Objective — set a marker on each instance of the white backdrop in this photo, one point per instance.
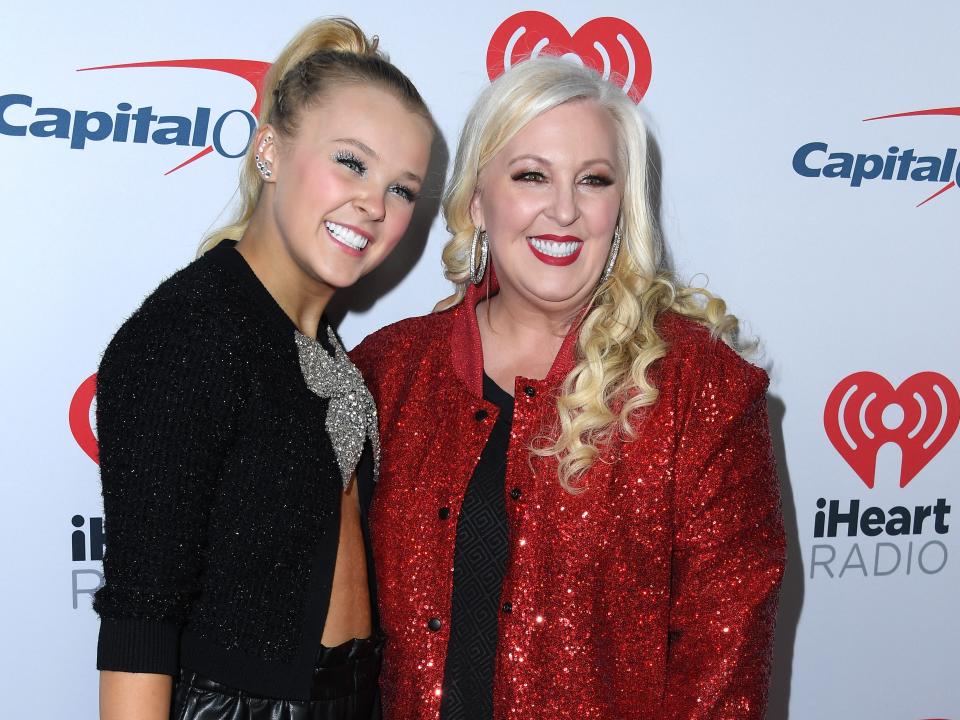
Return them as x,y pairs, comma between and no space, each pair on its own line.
837,274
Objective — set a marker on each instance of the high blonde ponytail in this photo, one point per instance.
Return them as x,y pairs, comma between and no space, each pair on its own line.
326,53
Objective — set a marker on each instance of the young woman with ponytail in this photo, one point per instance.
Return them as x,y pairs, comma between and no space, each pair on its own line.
232,424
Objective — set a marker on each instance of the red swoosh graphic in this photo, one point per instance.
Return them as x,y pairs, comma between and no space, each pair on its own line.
951,184
253,71
955,111
933,111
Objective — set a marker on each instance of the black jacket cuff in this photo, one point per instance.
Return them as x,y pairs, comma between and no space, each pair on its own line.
141,646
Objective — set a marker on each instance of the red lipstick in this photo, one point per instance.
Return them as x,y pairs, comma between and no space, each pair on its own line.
552,259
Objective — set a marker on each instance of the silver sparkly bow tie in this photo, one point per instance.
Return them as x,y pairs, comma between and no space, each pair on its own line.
352,414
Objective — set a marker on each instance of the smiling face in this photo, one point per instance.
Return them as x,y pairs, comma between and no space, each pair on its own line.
343,186
549,202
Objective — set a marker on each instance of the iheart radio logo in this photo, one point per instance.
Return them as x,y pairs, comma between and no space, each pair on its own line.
864,412
79,417
609,45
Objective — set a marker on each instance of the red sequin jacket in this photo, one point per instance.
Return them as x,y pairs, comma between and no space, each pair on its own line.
651,595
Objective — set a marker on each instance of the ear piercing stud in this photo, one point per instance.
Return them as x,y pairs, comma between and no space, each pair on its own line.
262,168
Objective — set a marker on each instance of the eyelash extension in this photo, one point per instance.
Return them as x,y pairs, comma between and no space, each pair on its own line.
348,159
523,176
406,193
537,176
599,180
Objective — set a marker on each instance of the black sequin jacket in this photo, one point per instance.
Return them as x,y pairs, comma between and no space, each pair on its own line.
220,486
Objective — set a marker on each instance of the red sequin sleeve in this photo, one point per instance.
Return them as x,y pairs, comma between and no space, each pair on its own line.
728,549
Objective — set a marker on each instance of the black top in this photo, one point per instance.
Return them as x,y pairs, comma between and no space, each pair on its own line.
480,560
221,490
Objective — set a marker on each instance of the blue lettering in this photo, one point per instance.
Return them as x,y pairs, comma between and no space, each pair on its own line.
948,160
862,172
891,162
928,168
82,131
122,123
800,158
200,125
842,165
5,102
218,129
58,126
906,159
179,134
82,127
141,122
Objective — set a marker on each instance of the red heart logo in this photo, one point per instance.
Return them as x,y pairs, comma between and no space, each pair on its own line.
611,46
79,417
864,412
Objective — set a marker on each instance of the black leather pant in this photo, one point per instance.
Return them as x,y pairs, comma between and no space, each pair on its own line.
344,688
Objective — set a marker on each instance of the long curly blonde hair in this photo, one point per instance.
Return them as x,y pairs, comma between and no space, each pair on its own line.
617,339
327,52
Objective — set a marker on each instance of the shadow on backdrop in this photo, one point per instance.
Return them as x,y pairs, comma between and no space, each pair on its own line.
791,592
655,193
362,295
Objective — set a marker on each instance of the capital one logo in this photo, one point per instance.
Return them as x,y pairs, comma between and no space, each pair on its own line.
609,45
143,125
894,164
939,170
864,412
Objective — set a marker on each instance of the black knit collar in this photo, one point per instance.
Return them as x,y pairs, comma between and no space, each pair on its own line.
226,255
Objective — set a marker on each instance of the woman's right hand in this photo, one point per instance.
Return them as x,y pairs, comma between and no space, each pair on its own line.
134,696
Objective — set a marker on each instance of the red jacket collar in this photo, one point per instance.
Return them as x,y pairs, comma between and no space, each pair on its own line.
466,351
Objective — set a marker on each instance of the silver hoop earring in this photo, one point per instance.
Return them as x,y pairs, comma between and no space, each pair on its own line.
611,261
262,167
477,271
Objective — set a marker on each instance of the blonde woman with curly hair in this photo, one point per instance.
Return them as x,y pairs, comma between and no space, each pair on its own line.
578,513
233,427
